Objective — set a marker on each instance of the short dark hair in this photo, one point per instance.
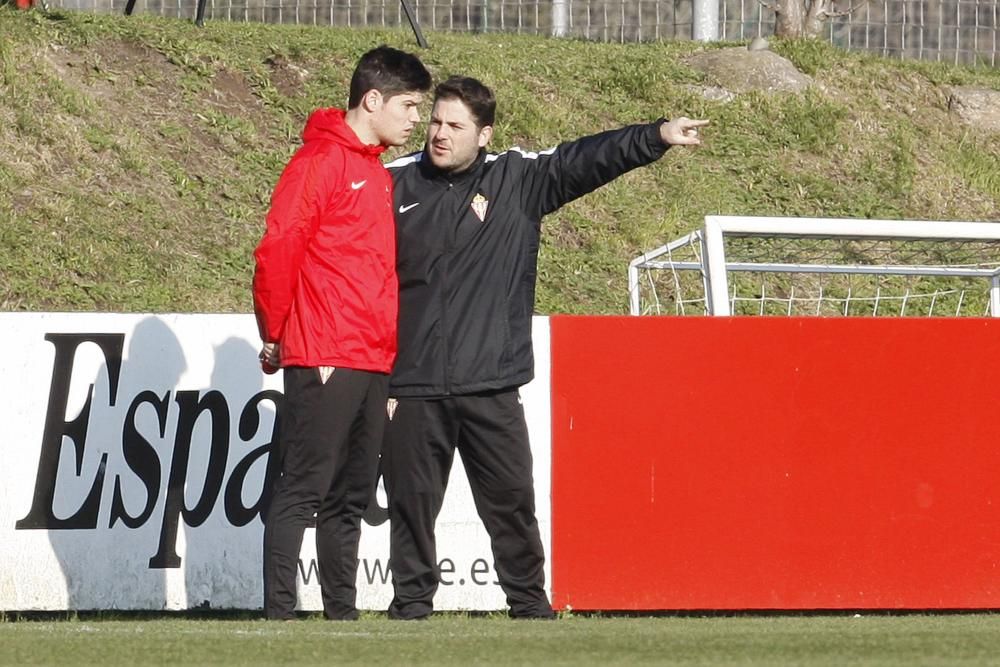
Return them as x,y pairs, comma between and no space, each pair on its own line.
471,92
389,71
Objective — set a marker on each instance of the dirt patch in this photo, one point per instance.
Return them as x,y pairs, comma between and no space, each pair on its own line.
287,77
137,92
232,94
110,63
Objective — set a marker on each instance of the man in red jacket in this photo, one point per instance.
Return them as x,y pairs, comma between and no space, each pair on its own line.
326,297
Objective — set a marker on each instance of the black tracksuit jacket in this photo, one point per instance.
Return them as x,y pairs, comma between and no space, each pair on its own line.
467,249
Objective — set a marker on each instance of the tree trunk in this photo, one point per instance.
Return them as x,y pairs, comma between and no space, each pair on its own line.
801,18
812,25
790,19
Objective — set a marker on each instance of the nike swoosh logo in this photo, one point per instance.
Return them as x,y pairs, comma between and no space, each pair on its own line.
358,185
404,209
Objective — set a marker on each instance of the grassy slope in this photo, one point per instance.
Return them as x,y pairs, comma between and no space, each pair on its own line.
139,154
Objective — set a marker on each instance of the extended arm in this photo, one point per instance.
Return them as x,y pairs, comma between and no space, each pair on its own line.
558,176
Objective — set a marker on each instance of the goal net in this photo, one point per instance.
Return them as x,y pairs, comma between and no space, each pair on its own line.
739,265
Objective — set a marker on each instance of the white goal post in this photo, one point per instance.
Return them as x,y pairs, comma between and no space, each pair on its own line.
822,266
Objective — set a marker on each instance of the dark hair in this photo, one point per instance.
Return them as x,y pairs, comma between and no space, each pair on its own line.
389,71
471,92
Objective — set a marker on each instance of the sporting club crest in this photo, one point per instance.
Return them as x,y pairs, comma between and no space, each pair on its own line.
479,205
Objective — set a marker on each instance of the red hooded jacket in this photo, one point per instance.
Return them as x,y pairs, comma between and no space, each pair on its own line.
325,283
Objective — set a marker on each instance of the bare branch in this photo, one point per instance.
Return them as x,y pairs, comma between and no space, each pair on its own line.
817,11
773,6
820,10
847,11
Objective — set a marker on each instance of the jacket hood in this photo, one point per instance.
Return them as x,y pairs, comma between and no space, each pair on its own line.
331,125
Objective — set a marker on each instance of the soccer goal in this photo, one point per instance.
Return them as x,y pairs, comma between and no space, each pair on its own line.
739,265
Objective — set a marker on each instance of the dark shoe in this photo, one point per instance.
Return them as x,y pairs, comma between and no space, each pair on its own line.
542,615
410,611
399,617
350,616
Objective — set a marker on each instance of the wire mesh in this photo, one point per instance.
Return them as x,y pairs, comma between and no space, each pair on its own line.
958,31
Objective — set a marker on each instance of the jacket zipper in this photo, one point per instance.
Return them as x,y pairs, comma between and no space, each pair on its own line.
446,285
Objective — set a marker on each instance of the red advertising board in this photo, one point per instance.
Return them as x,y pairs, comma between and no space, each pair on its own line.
775,463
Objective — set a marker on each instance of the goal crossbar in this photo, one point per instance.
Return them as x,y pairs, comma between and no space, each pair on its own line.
847,228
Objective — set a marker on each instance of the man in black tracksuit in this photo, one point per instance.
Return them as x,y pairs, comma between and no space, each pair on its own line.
467,229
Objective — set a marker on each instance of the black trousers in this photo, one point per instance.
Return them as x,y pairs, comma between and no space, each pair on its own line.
329,442
490,432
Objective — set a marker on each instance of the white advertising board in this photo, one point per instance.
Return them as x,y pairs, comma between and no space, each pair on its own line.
133,452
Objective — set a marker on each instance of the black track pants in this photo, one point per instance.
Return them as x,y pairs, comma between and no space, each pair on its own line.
490,432
330,436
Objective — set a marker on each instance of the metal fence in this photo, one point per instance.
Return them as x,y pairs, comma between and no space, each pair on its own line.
954,31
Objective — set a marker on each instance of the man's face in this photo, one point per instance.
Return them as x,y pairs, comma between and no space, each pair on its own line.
453,139
396,117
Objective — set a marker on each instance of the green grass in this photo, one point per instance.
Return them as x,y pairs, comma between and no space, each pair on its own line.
140,152
454,639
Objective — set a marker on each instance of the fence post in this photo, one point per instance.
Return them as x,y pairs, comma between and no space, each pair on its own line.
411,16
714,265
995,296
705,23
560,18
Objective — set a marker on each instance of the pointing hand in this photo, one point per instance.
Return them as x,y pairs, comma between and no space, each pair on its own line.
682,131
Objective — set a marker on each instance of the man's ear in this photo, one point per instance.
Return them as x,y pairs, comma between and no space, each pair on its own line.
371,100
485,134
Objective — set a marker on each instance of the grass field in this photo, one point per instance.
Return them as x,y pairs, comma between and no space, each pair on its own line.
456,639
